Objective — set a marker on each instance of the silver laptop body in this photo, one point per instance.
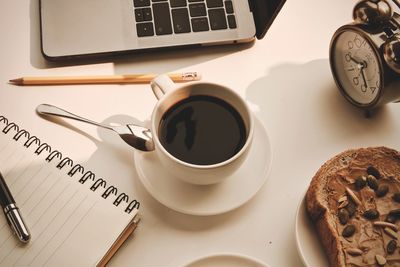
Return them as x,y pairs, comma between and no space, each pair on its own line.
86,27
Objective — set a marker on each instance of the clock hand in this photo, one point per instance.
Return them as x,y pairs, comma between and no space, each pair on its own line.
363,76
355,61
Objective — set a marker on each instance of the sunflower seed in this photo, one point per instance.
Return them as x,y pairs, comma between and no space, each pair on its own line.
391,246
372,182
395,213
353,196
396,197
371,214
351,208
382,190
360,182
349,230
344,216
390,219
371,170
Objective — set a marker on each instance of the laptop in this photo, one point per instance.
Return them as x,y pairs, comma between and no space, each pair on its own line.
92,28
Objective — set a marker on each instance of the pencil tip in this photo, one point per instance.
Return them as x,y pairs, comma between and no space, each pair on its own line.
16,81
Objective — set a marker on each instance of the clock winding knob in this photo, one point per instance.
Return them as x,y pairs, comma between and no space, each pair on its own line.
391,51
372,12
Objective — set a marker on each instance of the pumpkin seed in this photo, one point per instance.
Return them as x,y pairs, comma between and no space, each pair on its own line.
396,197
391,246
380,260
360,182
349,230
386,224
343,204
372,182
390,232
342,199
354,251
371,214
353,196
382,190
344,216
371,170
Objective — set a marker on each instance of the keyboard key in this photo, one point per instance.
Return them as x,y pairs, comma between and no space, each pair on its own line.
214,3
147,14
231,22
139,14
197,10
162,18
143,14
180,18
217,19
193,1
159,0
178,3
200,24
141,3
229,7
144,29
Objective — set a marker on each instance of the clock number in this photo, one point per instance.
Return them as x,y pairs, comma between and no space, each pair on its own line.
350,45
348,57
373,89
363,88
356,81
357,41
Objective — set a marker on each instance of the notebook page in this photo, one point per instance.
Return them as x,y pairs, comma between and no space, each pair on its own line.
70,225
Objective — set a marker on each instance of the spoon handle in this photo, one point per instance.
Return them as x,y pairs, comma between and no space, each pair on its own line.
46,109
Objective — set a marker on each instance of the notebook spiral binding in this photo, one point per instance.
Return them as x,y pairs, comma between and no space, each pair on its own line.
74,169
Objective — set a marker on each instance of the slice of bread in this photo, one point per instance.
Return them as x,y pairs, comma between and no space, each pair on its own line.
354,203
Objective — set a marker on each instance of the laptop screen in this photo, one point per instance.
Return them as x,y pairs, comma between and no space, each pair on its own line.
264,12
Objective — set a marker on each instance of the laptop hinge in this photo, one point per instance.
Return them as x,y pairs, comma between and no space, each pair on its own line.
264,14
251,5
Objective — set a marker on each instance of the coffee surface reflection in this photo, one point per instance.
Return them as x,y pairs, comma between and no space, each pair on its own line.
202,130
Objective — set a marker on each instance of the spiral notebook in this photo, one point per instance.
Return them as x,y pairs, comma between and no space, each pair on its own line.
75,218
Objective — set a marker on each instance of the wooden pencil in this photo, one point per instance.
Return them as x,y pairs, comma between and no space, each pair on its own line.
103,79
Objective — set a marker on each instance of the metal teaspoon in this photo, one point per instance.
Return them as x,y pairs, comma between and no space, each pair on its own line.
134,135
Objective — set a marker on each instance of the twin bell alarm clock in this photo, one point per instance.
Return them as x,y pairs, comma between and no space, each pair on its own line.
365,55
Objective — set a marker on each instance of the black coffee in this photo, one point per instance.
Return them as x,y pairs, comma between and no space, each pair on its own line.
202,130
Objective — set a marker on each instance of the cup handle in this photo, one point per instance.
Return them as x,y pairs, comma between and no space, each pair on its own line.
161,85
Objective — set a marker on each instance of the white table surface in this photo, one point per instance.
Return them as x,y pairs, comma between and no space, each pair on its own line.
285,76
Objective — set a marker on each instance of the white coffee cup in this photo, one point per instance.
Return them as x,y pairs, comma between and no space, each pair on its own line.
168,94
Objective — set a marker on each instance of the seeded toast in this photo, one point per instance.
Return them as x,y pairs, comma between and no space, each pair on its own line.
354,202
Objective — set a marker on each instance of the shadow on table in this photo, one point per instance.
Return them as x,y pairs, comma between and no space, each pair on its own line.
144,62
306,94
308,121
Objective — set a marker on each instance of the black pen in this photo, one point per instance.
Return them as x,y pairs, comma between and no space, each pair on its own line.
11,211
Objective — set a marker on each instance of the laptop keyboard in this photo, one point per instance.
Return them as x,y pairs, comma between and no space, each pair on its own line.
162,17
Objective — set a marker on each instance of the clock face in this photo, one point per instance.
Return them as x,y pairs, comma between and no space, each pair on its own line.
356,67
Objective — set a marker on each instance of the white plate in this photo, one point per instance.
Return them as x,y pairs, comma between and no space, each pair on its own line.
308,245
225,196
226,260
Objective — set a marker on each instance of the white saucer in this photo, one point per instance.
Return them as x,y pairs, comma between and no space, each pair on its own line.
226,260
308,245
208,199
